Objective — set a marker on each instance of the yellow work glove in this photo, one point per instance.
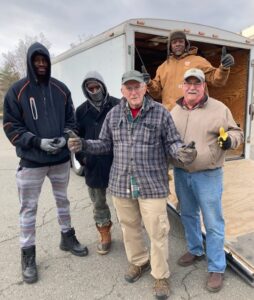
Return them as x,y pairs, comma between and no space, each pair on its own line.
224,140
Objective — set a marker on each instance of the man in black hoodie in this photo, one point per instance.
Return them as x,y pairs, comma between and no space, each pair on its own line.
90,116
38,113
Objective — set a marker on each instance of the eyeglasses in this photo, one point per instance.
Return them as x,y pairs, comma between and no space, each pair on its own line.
196,84
134,88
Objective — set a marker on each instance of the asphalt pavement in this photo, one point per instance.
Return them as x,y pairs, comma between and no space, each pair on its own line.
64,276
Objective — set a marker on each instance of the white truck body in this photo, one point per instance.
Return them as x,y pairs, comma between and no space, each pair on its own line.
113,52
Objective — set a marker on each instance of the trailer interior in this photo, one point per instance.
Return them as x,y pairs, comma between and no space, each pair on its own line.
238,196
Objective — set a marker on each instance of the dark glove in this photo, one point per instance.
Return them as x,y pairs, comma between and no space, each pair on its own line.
146,77
224,141
187,154
227,60
59,142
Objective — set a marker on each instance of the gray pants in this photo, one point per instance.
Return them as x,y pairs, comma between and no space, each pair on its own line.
29,182
101,212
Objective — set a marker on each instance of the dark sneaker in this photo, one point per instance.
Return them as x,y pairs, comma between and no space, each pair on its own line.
214,282
135,272
188,259
161,288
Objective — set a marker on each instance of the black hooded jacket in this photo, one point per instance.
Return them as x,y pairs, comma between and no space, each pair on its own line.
89,121
33,111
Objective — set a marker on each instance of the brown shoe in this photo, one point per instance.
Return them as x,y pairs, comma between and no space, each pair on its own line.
188,259
135,272
214,282
161,289
104,244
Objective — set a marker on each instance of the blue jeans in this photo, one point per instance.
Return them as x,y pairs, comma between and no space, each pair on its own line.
202,191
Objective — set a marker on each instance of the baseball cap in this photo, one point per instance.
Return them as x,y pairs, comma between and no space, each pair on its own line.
132,75
199,74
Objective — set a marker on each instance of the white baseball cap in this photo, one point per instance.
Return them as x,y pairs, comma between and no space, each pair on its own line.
194,72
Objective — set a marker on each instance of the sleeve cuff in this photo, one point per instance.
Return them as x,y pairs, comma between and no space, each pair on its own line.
36,142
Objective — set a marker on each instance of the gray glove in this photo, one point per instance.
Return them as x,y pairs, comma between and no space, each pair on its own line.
59,142
146,77
48,145
227,60
70,133
187,154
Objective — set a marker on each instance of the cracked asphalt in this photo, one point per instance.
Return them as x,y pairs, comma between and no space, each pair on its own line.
64,276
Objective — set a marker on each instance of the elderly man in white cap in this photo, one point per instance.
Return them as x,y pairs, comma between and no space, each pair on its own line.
143,136
199,185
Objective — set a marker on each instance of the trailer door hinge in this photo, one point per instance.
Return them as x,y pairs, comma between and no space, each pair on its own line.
129,49
251,111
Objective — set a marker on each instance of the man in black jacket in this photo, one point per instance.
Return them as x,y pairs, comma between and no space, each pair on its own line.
90,116
38,111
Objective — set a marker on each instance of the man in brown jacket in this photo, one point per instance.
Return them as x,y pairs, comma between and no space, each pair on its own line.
199,185
167,84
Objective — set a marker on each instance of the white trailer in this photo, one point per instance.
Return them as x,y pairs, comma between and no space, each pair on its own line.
144,41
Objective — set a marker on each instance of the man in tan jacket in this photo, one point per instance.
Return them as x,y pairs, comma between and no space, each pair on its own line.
199,185
167,84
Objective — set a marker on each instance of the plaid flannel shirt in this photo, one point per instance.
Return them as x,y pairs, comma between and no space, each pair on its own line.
142,151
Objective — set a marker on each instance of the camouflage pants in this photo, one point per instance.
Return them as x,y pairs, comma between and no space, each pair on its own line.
29,182
101,210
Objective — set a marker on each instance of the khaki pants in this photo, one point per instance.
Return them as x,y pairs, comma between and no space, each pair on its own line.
153,212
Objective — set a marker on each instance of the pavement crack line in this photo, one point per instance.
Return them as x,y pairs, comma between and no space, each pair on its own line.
4,290
107,294
183,283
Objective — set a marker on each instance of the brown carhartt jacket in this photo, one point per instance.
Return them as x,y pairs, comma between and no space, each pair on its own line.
167,84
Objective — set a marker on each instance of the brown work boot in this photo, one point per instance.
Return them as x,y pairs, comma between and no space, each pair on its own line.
104,244
214,282
161,288
135,272
188,259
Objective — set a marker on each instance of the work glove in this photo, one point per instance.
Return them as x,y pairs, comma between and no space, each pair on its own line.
146,77
69,134
224,141
187,154
48,145
59,142
76,144
227,60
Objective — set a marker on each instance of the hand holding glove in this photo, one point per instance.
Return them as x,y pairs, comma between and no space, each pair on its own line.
224,141
187,154
75,145
48,145
227,60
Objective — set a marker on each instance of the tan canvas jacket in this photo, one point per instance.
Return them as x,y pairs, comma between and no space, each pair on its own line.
202,125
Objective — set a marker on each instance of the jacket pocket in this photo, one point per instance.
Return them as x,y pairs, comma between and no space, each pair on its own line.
149,134
215,152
